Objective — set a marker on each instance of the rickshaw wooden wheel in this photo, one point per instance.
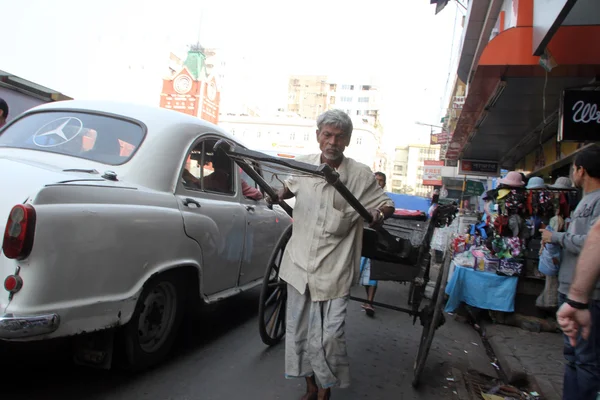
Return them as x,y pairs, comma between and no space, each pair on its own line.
431,317
273,296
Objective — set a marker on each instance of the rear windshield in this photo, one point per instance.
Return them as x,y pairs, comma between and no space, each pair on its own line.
97,138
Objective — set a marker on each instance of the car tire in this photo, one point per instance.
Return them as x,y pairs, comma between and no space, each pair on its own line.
148,337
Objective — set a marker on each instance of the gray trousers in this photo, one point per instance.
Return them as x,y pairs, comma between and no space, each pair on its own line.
315,341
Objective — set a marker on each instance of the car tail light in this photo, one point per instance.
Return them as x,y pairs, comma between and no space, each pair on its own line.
13,283
18,235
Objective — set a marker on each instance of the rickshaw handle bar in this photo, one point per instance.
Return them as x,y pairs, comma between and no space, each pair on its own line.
227,148
323,170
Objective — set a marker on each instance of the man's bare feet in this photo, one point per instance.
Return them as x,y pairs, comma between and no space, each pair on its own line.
312,389
324,394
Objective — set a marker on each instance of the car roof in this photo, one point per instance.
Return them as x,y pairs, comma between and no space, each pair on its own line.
152,116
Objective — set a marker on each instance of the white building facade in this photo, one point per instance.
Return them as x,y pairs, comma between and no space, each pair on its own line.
407,171
296,135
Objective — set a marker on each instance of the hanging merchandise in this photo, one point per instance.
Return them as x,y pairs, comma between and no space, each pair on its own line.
545,203
513,179
514,244
515,201
535,183
501,225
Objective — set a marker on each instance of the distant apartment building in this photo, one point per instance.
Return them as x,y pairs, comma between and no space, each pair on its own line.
307,95
407,171
310,95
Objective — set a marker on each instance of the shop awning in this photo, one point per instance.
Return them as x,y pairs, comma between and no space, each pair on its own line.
17,83
511,95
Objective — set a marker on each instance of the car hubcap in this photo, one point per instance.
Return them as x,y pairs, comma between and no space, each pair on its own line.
157,317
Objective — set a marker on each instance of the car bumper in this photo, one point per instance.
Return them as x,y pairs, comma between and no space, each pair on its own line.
18,327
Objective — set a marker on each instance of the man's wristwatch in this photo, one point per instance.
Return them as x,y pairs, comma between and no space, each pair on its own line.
576,304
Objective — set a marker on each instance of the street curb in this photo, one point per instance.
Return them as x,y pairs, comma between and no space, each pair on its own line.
510,365
461,388
545,387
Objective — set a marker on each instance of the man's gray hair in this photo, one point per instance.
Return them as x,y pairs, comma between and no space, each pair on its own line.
336,118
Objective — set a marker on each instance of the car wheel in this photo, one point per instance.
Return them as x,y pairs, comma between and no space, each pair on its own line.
149,335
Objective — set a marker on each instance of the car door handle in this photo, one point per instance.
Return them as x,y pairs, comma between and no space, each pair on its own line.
187,201
249,208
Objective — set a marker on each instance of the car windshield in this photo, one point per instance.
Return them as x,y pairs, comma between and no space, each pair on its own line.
99,138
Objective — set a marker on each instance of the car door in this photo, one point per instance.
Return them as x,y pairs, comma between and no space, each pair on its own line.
212,214
262,233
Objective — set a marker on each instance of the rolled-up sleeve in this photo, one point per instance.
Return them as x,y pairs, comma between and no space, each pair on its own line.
291,182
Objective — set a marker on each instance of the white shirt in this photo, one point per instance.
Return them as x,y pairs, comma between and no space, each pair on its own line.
325,248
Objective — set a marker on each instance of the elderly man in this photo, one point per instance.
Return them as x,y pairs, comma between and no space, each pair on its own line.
321,260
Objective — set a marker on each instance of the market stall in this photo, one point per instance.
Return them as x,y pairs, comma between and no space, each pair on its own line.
502,251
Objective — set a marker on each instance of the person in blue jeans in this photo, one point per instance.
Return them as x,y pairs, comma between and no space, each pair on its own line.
582,371
579,318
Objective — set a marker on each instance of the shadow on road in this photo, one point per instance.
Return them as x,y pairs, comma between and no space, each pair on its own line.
45,370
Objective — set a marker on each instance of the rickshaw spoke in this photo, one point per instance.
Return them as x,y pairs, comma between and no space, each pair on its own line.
272,296
274,322
274,309
278,284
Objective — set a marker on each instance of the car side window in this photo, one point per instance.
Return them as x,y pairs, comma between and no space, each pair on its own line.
250,188
209,171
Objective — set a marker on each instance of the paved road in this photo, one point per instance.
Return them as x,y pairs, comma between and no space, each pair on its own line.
221,357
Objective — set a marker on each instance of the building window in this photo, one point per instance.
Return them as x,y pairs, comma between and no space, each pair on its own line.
292,136
346,99
398,168
396,183
258,134
358,140
347,87
366,87
306,137
363,99
333,87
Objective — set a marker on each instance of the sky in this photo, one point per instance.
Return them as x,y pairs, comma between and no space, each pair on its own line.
119,49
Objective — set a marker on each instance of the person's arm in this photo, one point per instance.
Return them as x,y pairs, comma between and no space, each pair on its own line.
569,241
573,318
251,192
587,270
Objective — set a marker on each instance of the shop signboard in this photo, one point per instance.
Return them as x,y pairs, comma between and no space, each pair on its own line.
458,102
479,167
474,188
451,163
579,116
439,138
432,173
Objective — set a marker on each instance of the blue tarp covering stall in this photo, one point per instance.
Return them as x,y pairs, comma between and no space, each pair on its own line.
409,202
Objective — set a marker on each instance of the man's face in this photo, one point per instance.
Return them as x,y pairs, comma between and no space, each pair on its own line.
380,181
332,142
2,119
577,176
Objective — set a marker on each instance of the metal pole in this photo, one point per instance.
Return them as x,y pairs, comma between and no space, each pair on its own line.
462,195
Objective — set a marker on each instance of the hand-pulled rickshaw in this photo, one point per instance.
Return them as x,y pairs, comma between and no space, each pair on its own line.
400,251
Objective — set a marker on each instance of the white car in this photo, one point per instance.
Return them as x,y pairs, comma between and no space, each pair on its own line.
120,219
